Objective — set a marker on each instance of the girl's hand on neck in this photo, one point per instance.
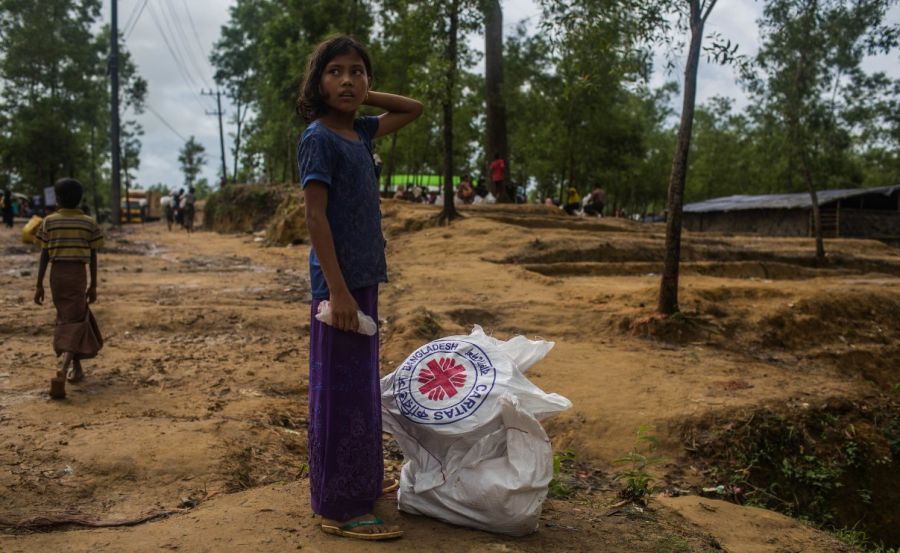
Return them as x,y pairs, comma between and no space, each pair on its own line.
399,111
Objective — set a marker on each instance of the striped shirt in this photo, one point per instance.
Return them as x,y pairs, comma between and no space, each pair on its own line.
69,235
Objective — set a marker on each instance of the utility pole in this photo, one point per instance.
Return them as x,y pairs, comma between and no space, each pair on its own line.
219,112
94,174
114,127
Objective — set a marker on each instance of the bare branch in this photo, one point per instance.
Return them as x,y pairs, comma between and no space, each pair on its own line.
707,10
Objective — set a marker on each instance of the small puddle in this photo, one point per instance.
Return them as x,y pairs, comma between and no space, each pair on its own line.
203,263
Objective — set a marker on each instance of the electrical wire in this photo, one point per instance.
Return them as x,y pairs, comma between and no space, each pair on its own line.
128,32
172,42
128,21
178,36
203,66
187,50
194,27
164,122
178,63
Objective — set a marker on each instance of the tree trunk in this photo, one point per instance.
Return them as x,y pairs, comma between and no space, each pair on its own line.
448,213
495,113
94,176
239,123
668,289
127,185
564,193
290,173
817,219
389,164
800,142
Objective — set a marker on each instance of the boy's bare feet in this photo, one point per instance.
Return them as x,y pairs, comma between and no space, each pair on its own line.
58,386
366,527
75,374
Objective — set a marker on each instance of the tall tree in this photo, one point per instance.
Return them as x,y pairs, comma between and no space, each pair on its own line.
592,98
132,95
401,54
48,93
428,61
448,213
811,57
192,159
873,115
235,57
495,114
722,160
698,13
54,96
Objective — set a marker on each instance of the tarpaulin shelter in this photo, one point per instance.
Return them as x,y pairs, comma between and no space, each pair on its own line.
857,213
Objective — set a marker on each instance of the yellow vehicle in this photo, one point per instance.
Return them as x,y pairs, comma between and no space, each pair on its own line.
140,206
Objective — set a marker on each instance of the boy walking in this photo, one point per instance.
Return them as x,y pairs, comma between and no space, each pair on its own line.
69,240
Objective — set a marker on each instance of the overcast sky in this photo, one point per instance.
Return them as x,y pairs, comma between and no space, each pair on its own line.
174,93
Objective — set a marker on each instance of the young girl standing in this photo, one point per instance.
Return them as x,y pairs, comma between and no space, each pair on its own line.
347,263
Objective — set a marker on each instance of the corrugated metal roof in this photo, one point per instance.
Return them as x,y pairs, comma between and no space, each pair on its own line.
782,201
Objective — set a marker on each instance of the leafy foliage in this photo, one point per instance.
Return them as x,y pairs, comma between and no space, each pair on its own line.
576,89
192,159
54,97
581,111
812,100
637,463
558,489
828,464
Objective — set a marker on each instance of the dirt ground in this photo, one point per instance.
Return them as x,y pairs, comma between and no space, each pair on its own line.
196,408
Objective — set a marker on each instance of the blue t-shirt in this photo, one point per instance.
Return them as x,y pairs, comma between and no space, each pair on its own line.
354,211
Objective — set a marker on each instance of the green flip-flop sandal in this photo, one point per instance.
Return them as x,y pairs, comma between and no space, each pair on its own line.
346,530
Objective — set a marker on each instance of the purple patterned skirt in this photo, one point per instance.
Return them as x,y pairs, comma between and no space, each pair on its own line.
346,465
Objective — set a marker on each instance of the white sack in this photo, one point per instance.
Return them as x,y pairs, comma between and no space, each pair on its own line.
466,419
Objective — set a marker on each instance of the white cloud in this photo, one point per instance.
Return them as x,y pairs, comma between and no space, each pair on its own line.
175,97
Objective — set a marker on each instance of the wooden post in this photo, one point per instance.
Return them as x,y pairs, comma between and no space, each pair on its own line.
115,192
837,220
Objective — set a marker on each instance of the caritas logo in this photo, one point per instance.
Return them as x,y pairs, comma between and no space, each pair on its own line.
443,382
441,379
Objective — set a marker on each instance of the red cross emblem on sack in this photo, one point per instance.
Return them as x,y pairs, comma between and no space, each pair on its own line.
442,377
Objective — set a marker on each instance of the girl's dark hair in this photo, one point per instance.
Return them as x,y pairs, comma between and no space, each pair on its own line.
311,104
68,192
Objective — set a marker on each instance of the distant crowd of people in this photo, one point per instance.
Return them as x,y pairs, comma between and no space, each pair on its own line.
468,192
9,208
477,192
591,204
14,205
179,208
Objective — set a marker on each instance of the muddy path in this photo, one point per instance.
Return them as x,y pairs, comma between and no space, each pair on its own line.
197,403
196,390
196,408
